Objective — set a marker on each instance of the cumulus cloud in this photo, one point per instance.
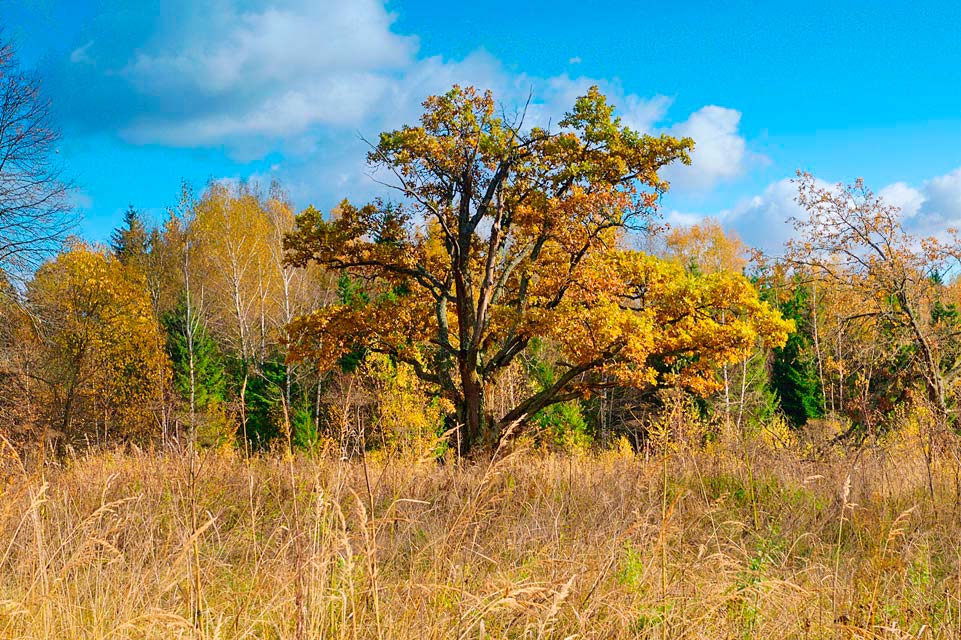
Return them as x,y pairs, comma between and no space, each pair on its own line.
931,208
720,150
304,80
275,72
275,45
556,95
433,75
903,196
763,221
940,207
344,100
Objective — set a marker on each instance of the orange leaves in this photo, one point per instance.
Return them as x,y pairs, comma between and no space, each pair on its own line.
707,247
389,324
98,334
509,235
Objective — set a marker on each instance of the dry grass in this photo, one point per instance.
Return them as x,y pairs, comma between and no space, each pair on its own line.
745,544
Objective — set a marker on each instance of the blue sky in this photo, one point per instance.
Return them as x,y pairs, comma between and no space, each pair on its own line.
151,92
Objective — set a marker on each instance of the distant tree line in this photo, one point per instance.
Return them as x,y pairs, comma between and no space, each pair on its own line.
497,296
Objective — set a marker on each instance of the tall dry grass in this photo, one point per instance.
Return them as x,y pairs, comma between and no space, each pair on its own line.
738,542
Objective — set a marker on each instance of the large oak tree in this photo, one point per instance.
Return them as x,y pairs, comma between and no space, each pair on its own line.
505,234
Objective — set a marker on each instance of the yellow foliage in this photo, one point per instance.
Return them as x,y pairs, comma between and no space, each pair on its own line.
777,434
406,420
510,236
679,427
102,351
707,247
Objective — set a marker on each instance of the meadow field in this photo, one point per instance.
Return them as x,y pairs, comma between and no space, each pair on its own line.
746,541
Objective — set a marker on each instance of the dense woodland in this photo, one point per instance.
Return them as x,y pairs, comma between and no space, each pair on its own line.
516,282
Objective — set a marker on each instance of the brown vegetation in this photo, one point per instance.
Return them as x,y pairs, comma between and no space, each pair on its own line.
736,541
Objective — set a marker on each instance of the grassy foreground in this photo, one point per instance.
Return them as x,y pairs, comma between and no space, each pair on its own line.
748,544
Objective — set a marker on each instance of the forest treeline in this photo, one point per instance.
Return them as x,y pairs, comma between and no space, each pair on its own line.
501,292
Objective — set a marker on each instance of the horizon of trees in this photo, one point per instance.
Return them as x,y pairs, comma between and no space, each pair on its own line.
496,297
180,332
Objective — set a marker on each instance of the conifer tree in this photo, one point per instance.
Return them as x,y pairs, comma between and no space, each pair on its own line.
209,383
794,373
131,242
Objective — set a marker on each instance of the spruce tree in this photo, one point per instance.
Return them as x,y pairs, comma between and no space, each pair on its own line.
130,242
209,375
794,374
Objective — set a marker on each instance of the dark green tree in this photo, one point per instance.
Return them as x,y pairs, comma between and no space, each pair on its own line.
794,375
131,241
208,369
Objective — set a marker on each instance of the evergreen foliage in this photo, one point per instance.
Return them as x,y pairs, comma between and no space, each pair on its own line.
131,242
209,382
794,376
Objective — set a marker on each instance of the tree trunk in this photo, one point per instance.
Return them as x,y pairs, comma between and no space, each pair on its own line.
468,424
817,352
471,414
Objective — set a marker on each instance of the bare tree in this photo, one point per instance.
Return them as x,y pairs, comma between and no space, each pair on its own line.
35,212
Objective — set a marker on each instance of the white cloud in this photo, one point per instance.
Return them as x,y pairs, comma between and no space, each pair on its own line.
279,71
304,79
931,208
643,113
903,196
720,150
274,72
344,101
763,221
941,207
555,96
676,218
404,95
245,49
